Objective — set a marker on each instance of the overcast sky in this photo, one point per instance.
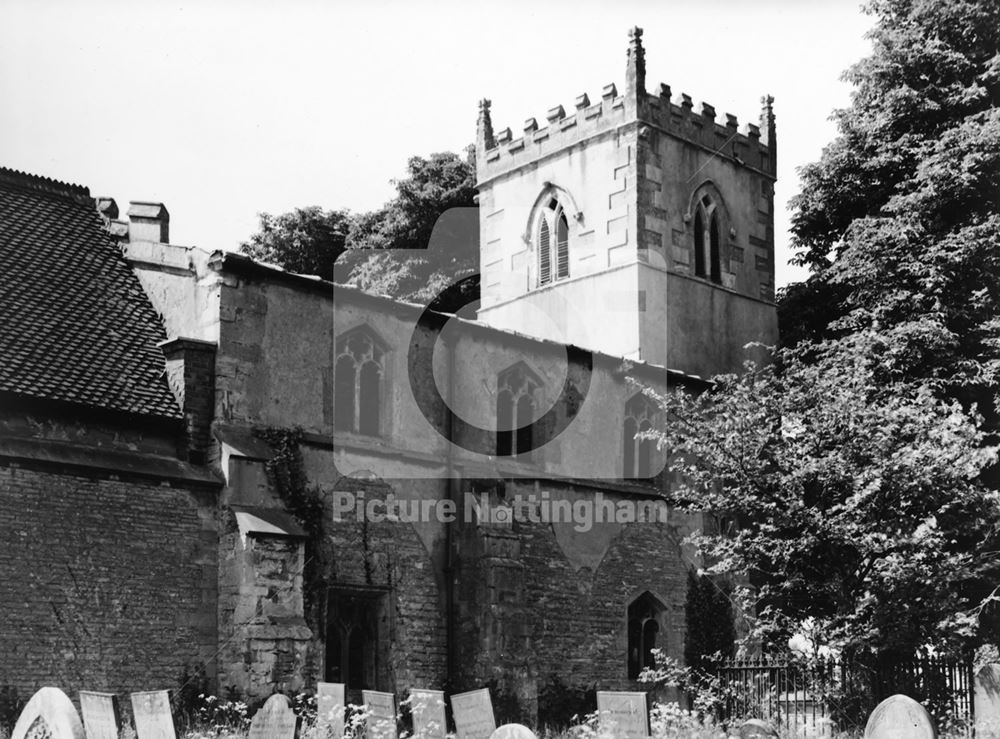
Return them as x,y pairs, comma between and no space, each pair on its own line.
225,109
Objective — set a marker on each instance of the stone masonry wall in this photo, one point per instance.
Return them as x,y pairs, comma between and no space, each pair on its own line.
109,583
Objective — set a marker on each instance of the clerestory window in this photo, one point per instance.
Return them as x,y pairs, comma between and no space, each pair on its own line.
640,415
517,388
358,377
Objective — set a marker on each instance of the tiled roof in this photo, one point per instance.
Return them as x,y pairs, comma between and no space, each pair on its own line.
75,324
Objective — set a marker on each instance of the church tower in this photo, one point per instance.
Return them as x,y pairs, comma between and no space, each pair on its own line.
635,225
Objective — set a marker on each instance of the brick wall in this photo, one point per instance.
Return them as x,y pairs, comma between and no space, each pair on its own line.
390,555
107,584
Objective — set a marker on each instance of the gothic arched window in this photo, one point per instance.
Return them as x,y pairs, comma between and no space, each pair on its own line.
707,237
553,243
516,391
643,633
358,374
640,414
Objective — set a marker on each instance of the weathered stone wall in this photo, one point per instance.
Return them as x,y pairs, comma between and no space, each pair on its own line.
264,641
544,604
109,579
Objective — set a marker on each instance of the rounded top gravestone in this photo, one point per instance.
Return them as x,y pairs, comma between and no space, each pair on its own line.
55,711
754,728
513,731
274,720
900,717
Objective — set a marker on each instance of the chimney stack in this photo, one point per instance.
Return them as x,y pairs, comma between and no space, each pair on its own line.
191,375
148,222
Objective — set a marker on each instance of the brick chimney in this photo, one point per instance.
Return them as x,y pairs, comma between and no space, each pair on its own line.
148,222
191,375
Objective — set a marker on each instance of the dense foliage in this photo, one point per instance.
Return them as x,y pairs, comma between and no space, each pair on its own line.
859,504
305,240
899,221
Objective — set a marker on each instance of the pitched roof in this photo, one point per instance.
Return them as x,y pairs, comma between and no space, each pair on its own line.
75,324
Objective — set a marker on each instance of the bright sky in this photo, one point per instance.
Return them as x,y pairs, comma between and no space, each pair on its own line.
225,109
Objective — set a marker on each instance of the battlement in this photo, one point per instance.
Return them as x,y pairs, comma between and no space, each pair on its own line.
753,145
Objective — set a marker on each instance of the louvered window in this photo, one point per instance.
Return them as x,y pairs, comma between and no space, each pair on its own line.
544,253
553,264
562,247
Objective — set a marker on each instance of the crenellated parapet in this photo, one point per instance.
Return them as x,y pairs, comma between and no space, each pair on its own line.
509,149
751,145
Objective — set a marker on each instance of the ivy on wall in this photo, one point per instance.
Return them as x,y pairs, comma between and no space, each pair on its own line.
286,473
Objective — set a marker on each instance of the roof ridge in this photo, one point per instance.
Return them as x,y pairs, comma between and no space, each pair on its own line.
47,185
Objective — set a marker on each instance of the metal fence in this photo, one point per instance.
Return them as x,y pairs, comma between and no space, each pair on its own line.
825,696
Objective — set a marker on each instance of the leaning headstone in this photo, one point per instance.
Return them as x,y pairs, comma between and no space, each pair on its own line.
274,720
473,714
754,728
623,714
330,710
900,717
513,731
427,708
101,717
381,722
151,713
987,701
51,713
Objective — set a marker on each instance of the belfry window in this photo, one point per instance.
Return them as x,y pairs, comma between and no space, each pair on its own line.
516,390
639,453
358,376
553,243
707,238
643,633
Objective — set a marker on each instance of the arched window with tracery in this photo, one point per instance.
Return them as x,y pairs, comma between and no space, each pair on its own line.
640,416
708,215
553,243
643,633
517,389
359,371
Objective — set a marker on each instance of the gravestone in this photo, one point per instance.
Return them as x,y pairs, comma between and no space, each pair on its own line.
473,714
987,701
51,713
381,722
274,720
101,717
513,731
754,728
623,714
900,717
330,710
151,714
427,708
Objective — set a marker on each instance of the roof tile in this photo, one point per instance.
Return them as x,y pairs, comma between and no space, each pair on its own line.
75,324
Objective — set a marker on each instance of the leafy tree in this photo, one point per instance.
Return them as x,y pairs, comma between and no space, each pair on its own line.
708,614
899,220
858,501
442,184
359,249
305,240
